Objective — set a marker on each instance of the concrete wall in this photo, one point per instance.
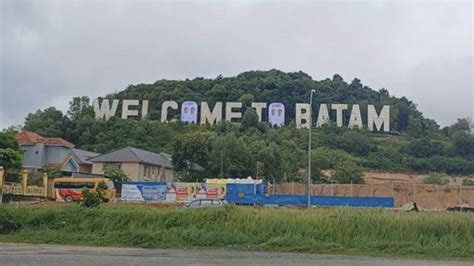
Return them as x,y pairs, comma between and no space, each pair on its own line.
56,154
34,156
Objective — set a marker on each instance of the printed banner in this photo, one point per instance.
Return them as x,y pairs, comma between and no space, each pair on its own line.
189,112
171,192
143,191
276,114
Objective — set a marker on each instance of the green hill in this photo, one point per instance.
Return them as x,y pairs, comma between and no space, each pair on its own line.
239,150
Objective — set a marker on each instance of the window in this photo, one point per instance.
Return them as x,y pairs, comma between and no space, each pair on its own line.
116,165
145,169
78,185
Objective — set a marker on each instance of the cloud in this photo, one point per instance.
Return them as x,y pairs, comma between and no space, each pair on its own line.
53,51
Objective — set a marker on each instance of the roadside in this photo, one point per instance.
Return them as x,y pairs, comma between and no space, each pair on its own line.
27,254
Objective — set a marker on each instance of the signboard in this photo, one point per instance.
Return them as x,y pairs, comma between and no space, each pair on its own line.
143,191
171,192
324,112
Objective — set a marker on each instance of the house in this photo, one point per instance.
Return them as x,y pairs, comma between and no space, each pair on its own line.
138,164
55,153
79,159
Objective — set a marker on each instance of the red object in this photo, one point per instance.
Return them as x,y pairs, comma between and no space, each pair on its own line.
65,192
31,138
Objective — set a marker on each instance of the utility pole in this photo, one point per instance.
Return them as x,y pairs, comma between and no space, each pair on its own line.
308,189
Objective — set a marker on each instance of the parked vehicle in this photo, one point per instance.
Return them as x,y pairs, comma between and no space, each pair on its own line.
70,189
200,203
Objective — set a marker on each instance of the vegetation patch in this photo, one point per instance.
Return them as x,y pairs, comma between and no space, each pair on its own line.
343,231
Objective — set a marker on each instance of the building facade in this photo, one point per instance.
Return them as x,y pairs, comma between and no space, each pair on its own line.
53,153
138,164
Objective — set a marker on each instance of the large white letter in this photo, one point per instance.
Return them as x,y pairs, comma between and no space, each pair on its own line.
144,108
207,116
323,115
258,109
125,112
228,111
300,116
105,110
356,118
164,110
339,111
378,120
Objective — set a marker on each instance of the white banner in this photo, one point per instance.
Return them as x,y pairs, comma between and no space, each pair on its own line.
276,114
189,112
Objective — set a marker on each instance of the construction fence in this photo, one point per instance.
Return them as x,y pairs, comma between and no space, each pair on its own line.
427,196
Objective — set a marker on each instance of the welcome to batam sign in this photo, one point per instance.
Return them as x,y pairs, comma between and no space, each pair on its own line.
190,111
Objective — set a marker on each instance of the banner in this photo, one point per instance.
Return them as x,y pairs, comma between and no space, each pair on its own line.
276,114
143,191
189,111
171,192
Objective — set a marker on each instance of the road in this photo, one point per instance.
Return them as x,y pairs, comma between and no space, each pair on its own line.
27,254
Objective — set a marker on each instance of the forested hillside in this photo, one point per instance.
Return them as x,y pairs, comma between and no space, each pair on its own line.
242,150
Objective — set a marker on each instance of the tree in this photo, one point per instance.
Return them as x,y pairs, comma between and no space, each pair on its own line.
11,155
347,172
189,150
463,144
249,119
116,175
49,123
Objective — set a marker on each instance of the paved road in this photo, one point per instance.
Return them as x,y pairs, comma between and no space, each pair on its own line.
26,254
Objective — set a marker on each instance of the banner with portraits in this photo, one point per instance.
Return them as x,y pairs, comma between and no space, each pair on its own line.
276,114
171,192
189,112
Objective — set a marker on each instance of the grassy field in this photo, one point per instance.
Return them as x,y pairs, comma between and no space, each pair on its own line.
342,231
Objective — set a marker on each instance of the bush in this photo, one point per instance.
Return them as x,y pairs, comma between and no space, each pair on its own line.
436,179
468,182
93,199
347,172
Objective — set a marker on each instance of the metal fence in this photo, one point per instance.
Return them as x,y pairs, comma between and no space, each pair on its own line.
425,195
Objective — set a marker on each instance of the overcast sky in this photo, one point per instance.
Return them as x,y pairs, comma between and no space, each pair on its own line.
52,51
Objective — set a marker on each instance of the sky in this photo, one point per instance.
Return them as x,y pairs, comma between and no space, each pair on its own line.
52,51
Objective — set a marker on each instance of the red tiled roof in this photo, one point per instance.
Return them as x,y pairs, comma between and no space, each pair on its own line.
31,138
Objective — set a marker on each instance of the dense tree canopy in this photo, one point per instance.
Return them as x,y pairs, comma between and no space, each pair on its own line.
232,150
11,154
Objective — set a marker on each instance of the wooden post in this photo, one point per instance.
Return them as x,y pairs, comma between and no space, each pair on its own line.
392,191
437,197
45,185
273,186
24,181
414,192
352,194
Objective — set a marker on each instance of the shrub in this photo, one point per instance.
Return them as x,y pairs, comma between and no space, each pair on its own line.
93,199
346,172
468,182
436,179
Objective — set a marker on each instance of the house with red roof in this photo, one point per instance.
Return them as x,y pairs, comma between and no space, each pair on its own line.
44,152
